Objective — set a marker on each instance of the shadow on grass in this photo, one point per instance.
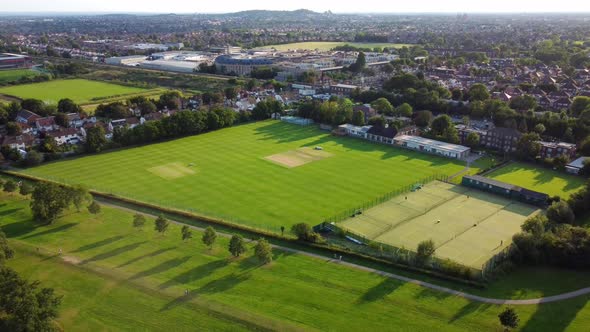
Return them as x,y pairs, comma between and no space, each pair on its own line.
9,212
196,273
164,266
148,255
113,253
51,230
100,243
379,291
429,293
468,309
555,316
216,286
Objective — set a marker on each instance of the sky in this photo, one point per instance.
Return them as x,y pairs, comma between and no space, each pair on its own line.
336,6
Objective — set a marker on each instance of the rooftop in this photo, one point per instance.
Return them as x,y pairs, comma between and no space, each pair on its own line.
430,142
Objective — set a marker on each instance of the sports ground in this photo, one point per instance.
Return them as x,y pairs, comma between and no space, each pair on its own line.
539,179
15,74
79,90
266,174
467,226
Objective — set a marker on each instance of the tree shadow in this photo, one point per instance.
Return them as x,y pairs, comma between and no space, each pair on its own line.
164,266
148,255
196,273
430,293
555,316
468,309
113,252
9,211
51,231
100,243
379,291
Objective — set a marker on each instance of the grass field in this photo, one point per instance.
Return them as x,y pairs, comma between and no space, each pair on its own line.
467,226
79,90
115,278
540,179
15,74
233,180
326,46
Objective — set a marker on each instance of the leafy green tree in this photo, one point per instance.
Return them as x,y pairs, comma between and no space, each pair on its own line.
26,189
209,237
147,107
68,106
509,318
405,109
358,118
139,221
237,246
48,201
478,91
33,105
95,139
539,129
560,213
5,251
231,93
170,100
523,103
161,224
423,118
579,104
13,129
377,121
472,140
10,186
94,207
186,233
528,146
440,124
425,250
78,195
383,106
263,251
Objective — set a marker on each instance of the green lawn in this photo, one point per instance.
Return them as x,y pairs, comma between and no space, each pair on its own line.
540,179
115,278
232,179
15,74
79,90
326,46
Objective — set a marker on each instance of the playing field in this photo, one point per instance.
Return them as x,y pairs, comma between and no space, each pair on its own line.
467,226
15,74
326,46
234,179
540,179
79,90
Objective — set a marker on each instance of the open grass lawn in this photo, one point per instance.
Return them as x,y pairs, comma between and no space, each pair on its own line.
11,75
467,226
113,277
79,90
232,179
326,46
540,179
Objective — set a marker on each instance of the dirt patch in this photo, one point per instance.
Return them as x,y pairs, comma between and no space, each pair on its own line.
295,158
173,170
71,260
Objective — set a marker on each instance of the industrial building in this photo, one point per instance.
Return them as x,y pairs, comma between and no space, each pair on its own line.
506,190
12,61
132,60
239,65
175,66
431,146
576,166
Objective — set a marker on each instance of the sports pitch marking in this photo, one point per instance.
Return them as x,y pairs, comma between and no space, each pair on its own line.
467,226
172,171
299,157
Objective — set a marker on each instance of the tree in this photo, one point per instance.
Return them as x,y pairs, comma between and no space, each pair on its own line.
304,232
24,306
523,103
95,139
209,237
358,118
263,251
377,121
472,140
5,251
147,107
509,318
560,213
528,146
186,233
139,221
383,106
13,129
251,84
579,104
170,100
422,118
48,201
231,93
78,195
360,64
405,109
161,224
26,188
33,105
10,186
237,246
68,106
478,91
440,124
94,207
539,129
425,250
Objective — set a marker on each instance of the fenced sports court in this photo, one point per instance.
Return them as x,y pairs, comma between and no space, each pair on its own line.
467,226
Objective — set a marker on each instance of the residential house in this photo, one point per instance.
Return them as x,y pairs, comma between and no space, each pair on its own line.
27,117
19,142
46,124
65,136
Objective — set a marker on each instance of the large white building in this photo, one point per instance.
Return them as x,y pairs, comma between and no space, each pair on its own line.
126,60
431,146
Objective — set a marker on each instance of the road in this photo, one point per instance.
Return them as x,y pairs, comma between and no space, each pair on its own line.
468,296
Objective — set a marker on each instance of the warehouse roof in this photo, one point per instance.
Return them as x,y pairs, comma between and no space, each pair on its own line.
430,142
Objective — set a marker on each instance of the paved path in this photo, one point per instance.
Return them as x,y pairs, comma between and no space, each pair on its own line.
472,297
